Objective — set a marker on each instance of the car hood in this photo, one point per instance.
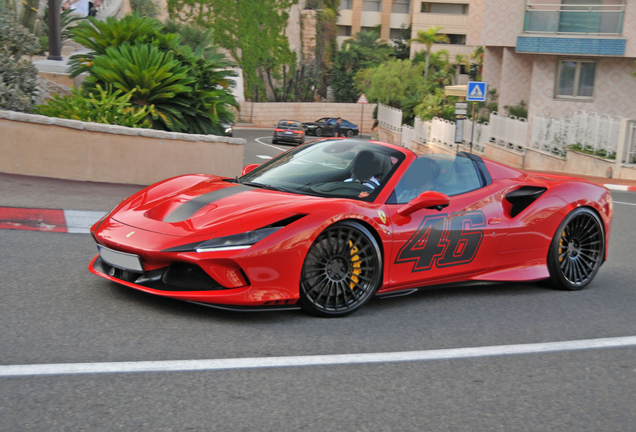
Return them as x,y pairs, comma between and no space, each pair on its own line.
203,205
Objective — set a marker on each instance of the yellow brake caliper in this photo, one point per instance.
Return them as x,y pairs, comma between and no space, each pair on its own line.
355,259
561,246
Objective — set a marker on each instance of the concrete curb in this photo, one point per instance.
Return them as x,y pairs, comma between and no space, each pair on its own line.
49,220
618,187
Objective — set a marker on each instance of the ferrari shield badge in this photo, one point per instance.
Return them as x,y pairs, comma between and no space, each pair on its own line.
382,216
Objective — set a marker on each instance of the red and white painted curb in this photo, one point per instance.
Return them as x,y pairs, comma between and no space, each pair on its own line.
618,187
50,220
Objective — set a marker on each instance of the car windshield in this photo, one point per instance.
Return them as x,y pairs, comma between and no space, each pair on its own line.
289,124
329,168
322,120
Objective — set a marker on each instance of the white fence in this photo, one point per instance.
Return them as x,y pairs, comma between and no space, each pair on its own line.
480,138
390,118
408,135
443,132
422,130
508,131
585,131
630,149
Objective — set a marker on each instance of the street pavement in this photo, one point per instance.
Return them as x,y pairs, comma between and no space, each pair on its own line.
54,311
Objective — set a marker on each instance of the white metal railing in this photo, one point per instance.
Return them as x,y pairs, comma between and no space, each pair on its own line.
443,132
408,134
586,131
480,138
630,150
508,131
601,19
389,118
422,130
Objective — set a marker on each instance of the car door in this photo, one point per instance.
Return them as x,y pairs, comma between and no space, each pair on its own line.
328,127
447,245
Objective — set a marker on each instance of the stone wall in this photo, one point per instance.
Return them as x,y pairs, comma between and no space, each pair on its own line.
270,113
69,149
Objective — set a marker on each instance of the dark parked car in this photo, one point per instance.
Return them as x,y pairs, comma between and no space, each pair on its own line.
288,131
324,127
228,130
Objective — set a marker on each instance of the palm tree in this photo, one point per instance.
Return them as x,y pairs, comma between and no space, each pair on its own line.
460,59
428,38
478,58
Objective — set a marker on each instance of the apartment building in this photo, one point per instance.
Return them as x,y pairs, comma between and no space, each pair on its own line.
559,56
393,15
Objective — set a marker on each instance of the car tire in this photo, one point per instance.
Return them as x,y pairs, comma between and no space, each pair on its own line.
274,141
318,132
341,272
577,250
349,133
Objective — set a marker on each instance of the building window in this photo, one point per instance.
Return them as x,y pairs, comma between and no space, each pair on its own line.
444,8
400,6
575,79
346,4
457,39
344,30
372,5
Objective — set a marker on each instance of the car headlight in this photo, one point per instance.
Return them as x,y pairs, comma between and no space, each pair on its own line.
228,130
237,241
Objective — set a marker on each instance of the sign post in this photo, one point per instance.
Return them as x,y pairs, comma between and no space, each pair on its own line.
476,92
363,101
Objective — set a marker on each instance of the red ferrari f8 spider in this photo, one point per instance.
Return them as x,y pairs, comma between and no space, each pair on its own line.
329,224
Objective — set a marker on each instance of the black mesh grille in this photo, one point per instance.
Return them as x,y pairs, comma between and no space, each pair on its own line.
189,277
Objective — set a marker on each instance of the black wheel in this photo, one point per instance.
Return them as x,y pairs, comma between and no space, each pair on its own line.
342,271
577,250
349,133
318,132
274,141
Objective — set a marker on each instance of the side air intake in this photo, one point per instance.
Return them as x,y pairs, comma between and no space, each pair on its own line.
521,198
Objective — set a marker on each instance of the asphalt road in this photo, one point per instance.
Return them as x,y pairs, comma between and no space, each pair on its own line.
54,311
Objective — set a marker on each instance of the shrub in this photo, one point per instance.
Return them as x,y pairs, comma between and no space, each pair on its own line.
157,78
98,106
186,82
145,8
18,84
18,78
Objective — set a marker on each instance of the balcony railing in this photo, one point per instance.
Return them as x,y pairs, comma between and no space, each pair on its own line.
599,19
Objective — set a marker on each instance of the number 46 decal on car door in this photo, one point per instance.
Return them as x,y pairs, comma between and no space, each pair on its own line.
444,241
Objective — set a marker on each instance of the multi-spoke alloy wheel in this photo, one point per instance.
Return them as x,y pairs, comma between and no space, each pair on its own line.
342,270
577,250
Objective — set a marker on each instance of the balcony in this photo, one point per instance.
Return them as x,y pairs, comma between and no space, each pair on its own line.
575,19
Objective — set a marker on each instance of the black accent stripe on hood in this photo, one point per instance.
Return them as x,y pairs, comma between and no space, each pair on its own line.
185,211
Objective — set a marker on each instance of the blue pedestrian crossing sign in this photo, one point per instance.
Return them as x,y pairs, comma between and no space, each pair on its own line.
476,91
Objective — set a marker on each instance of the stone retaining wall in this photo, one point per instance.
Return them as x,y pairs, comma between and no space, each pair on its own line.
70,149
266,114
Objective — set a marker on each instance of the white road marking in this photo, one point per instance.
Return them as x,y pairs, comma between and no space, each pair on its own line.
258,140
315,360
264,157
620,202
80,221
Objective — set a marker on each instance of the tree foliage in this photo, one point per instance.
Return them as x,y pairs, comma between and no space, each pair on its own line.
391,82
428,38
363,51
252,31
